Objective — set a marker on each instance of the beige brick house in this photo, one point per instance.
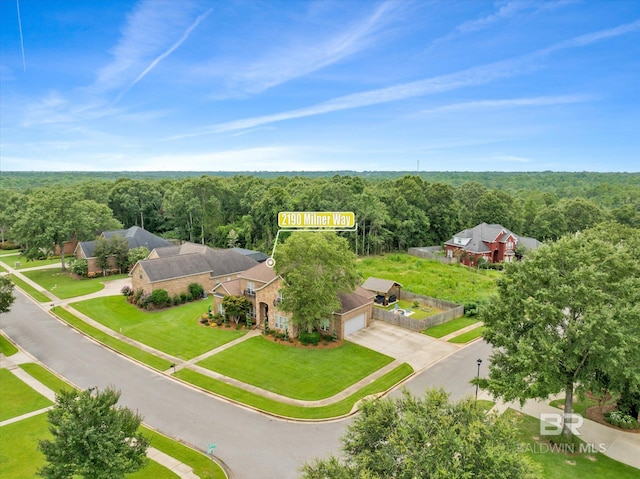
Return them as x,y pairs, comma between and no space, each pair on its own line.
173,268
261,286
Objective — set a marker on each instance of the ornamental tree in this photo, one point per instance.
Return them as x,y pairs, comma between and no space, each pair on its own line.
92,438
428,436
566,319
6,294
316,268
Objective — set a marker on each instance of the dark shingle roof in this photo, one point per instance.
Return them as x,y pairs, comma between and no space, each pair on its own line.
257,255
484,233
351,301
378,285
135,236
215,262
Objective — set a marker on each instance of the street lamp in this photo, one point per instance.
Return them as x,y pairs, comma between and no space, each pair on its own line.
479,361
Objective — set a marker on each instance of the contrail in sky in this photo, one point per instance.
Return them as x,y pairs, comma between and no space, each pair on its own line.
24,64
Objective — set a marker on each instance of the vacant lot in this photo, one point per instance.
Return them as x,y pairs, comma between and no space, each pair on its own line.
175,331
452,282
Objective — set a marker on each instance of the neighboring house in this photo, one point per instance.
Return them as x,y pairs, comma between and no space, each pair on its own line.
494,243
261,285
174,268
385,291
135,236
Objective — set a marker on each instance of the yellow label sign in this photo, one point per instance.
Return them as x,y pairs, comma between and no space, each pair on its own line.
318,219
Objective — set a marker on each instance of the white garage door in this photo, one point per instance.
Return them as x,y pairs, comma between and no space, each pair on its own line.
355,324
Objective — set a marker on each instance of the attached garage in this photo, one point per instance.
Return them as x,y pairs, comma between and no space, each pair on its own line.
355,324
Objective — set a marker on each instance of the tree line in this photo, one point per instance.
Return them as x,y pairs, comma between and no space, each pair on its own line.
392,213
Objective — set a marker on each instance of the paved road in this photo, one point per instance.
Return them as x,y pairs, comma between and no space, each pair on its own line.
251,444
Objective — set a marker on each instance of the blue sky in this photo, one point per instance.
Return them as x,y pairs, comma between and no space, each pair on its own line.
329,85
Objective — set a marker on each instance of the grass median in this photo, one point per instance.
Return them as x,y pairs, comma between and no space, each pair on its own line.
449,327
30,290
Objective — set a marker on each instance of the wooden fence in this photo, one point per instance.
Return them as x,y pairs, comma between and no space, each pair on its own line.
452,311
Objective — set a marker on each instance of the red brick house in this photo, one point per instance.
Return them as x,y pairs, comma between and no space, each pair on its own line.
493,242
261,286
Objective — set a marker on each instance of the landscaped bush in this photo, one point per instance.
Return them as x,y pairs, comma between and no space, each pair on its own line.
144,300
80,267
470,309
309,338
196,290
621,420
183,297
6,244
176,299
159,297
126,291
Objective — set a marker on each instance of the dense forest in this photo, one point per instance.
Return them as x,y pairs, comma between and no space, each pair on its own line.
394,210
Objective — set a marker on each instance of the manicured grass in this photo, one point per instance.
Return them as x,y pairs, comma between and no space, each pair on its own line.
449,327
485,404
8,252
468,336
337,409
46,377
19,454
452,282
299,373
2,270
579,406
26,263
125,348
560,465
64,286
6,347
30,290
175,331
18,398
199,462
418,313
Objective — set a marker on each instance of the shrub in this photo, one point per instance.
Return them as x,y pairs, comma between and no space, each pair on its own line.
176,300
470,309
126,291
621,420
144,300
183,297
159,297
80,267
196,291
138,295
309,338
6,244
204,321
188,297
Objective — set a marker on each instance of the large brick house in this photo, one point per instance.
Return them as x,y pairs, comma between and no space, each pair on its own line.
135,236
261,285
493,242
174,268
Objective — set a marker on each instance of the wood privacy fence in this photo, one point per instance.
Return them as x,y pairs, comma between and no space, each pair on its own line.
431,252
452,311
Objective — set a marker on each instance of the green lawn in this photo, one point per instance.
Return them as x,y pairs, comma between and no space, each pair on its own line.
452,282
64,286
46,377
175,331
125,348
421,312
468,336
26,263
560,465
9,252
18,398
30,290
307,374
2,270
449,327
336,409
7,347
579,406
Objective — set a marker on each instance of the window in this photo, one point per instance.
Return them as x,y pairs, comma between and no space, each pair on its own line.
279,297
251,288
221,309
281,322
325,324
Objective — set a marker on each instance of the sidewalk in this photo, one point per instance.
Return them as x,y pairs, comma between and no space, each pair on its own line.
619,445
11,363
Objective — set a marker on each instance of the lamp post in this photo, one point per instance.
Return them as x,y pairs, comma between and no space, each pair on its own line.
479,361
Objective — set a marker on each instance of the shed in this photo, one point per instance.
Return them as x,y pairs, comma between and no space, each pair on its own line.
386,290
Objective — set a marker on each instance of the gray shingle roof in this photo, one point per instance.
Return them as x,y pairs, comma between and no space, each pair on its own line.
351,301
257,255
135,236
378,285
215,262
487,233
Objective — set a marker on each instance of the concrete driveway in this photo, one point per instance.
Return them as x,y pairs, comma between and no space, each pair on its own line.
417,349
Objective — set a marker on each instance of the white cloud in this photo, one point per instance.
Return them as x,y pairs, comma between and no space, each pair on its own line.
513,102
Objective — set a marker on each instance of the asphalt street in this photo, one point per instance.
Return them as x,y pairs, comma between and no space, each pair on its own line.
251,444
